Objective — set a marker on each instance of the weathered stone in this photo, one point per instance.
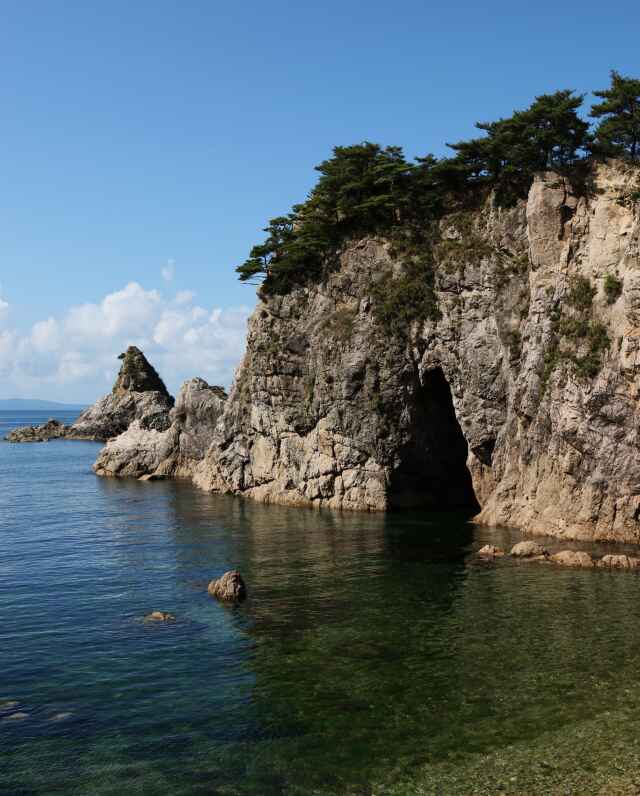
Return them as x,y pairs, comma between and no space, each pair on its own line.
52,429
573,558
331,409
150,454
528,549
160,616
619,562
230,587
490,551
137,395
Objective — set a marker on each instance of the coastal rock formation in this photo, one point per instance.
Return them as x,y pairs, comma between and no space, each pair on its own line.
176,449
523,395
518,399
137,395
229,588
52,429
619,562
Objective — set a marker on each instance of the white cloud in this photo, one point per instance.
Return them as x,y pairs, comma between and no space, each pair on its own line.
4,305
168,271
71,357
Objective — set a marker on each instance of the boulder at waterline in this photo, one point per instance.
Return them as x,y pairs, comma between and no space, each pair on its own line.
230,587
528,549
573,558
159,616
619,562
490,551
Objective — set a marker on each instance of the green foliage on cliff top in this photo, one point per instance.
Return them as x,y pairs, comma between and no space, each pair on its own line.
369,190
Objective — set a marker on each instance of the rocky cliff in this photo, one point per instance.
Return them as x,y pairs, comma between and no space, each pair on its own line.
518,398
522,395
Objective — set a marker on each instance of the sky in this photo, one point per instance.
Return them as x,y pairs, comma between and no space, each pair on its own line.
146,144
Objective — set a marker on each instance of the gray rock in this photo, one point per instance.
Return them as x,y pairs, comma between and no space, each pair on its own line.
619,562
528,549
573,558
331,409
230,587
137,395
149,453
490,551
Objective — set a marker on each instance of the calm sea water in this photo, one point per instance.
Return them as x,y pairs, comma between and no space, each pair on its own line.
375,654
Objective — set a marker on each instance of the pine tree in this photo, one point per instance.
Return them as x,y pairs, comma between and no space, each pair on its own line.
619,130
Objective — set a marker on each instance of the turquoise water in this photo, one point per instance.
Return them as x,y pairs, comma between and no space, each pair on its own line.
375,654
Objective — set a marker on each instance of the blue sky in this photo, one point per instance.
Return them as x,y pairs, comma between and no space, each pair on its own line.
141,133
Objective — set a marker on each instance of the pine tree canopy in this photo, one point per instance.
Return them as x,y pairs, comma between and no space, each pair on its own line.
619,130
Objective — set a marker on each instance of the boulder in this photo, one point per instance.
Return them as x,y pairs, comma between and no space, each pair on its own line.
573,558
230,587
160,616
619,562
490,551
529,549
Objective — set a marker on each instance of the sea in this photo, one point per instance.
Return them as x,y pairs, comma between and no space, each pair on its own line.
375,654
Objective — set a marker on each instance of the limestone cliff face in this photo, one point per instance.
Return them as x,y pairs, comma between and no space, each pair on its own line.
522,396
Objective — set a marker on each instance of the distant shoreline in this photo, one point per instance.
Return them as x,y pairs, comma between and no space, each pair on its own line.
35,405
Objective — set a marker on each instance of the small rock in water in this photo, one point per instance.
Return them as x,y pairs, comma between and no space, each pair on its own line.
16,716
160,616
490,551
229,587
573,558
8,704
529,549
619,562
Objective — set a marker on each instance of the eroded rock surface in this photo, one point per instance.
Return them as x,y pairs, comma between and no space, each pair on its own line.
528,549
496,398
516,401
228,588
138,394
573,558
173,449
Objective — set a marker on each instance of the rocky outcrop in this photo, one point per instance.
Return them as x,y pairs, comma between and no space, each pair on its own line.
573,558
518,400
528,549
228,588
522,395
138,395
174,450
52,429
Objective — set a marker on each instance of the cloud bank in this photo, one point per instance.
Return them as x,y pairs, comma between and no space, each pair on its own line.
74,357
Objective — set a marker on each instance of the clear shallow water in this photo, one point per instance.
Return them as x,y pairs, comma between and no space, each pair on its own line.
375,655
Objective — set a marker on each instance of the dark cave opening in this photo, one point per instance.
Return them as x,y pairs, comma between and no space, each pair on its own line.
433,472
